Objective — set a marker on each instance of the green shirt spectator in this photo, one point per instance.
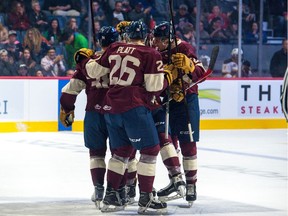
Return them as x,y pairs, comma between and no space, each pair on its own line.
73,41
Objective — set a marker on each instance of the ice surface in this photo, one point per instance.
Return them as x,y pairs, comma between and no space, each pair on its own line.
240,172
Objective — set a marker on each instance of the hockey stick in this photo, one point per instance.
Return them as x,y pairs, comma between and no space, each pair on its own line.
168,90
92,22
213,58
180,75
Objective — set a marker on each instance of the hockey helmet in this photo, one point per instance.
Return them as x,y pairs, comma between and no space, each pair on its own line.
137,30
235,52
107,35
162,30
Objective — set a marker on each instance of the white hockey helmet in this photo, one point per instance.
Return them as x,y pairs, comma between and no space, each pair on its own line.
235,51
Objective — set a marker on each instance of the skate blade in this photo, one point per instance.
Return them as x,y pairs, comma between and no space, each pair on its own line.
167,199
190,204
98,205
146,211
180,194
110,208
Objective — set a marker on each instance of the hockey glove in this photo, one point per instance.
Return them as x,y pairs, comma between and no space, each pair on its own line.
66,119
120,27
176,92
82,54
173,70
181,61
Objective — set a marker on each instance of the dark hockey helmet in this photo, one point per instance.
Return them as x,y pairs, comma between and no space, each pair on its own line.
162,30
136,30
107,35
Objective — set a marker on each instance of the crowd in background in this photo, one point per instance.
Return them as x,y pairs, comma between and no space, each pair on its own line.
40,37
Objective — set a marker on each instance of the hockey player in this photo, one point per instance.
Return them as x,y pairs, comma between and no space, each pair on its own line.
167,150
192,69
230,66
136,78
95,131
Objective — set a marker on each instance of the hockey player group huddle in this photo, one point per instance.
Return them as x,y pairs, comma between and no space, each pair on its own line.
128,85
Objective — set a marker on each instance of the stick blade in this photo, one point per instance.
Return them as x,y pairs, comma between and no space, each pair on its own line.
213,57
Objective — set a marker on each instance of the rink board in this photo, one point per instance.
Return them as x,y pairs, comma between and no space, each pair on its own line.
33,104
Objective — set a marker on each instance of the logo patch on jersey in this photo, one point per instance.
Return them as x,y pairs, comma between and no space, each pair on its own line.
106,107
159,123
97,107
135,140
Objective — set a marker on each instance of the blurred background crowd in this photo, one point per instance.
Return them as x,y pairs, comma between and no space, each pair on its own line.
40,37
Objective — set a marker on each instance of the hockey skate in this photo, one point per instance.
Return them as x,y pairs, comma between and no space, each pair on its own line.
123,195
112,201
175,190
131,193
191,194
150,206
97,196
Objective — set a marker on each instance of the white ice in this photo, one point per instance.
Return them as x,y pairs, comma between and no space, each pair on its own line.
240,172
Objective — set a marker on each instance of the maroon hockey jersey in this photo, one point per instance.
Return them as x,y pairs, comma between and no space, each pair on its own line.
135,73
95,89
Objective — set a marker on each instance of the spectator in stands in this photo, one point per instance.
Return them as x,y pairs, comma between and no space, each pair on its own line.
18,18
53,64
138,13
72,25
25,3
73,41
246,70
27,60
84,28
3,36
22,70
61,8
126,7
14,47
216,13
117,12
189,35
248,17
97,27
203,17
39,73
182,17
204,35
253,35
230,66
37,44
6,64
217,33
232,32
98,13
37,17
278,63
70,72
53,33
